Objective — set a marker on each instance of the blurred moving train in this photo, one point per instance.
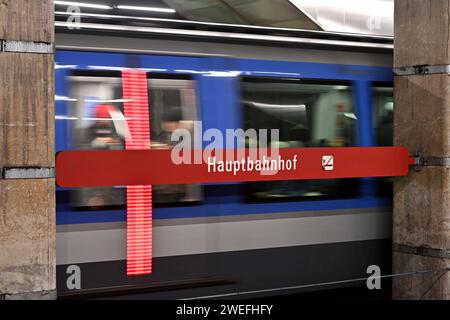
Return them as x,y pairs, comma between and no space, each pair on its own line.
217,239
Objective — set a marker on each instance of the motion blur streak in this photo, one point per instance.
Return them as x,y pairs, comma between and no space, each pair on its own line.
139,198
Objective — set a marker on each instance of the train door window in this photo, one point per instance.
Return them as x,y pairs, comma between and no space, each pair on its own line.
98,123
307,114
383,123
173,106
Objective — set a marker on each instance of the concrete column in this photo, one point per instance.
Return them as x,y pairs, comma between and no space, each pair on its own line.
421,230
27,197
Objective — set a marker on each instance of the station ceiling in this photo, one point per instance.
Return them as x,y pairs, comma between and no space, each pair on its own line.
271,13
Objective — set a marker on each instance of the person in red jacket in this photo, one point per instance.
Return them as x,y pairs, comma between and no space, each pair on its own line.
104,133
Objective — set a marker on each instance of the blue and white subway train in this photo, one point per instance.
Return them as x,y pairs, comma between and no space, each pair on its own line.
217,239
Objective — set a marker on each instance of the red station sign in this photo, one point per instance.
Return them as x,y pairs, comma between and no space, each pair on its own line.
144,167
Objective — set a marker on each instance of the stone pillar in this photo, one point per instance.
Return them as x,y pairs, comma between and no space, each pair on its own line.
27,189
421,228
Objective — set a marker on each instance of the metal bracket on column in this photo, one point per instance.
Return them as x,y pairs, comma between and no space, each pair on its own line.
25,46
422,251
421,161
27,173
422,70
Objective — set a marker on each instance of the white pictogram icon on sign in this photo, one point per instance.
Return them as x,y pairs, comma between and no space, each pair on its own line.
328,163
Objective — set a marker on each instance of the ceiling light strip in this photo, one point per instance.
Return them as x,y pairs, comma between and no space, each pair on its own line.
151,9
83,5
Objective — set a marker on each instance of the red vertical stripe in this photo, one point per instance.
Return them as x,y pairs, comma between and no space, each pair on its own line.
139,198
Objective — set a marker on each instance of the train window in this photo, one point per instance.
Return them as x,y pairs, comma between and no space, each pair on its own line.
99,124
383,108
307,114
383,123
173,107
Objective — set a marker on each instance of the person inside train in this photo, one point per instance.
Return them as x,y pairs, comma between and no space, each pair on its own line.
105,132
171,120
386,128
345,127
